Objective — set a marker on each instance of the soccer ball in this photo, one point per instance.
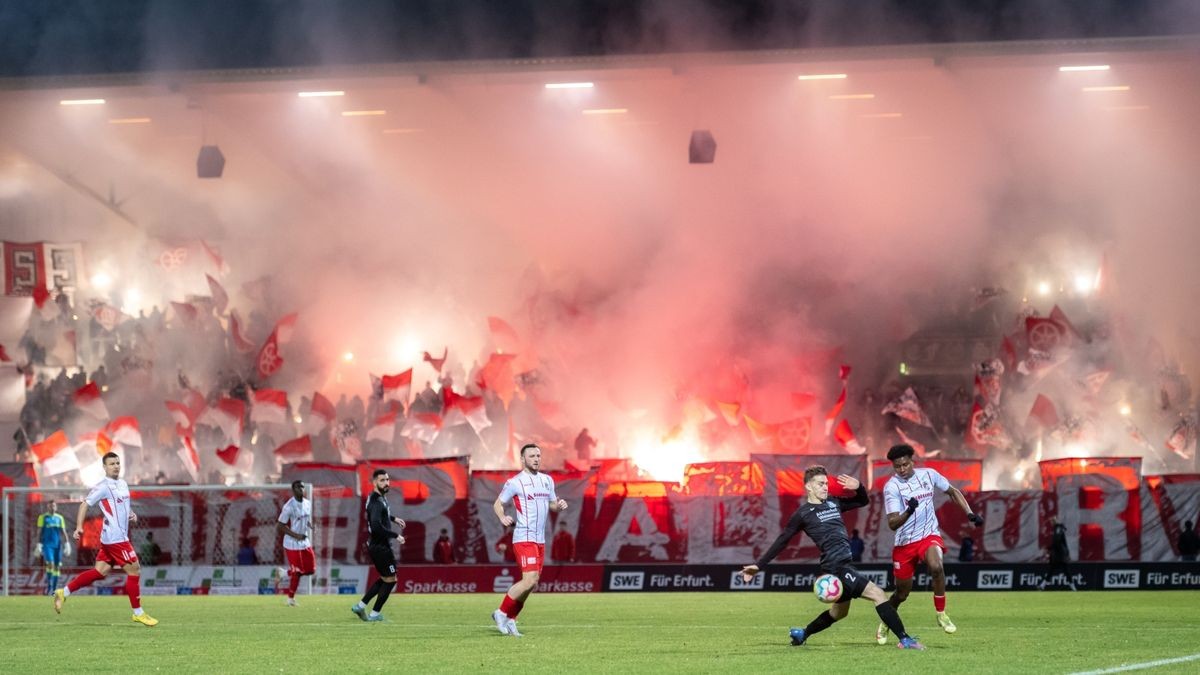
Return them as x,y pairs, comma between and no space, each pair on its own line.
827,588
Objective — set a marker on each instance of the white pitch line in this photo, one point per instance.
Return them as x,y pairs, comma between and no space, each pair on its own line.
1142,666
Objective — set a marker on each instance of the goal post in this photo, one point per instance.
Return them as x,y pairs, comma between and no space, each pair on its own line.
195,527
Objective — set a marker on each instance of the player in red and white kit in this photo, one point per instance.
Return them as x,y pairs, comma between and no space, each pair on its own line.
295,524
112,495
908,503
533,497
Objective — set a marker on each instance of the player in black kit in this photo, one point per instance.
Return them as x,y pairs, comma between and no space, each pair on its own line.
821,517
379,546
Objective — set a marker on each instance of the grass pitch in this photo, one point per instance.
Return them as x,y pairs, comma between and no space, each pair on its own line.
1053,632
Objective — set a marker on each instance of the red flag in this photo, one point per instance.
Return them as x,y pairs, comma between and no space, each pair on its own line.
296,450
215,258
1043,413
844,435
180,413
87,398
1046,335
96,442
125,430
497,374
1094,382
189,456
185,311
235,330
269,405
907,406
503,335
836,410
4,355
269,361
843,372
47,308
759,431
219,296
228,455
397,387
55,454
436,363
469,410
383,428
285,327
804,402
731,412
226,415
323,409
1008,353
423,427
1058,315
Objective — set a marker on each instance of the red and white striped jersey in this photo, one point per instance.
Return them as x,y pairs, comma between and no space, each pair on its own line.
530,494
113,498
923,484
297,516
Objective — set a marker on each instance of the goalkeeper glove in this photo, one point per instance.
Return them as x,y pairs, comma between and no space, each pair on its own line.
912,505
67,548
975,518
37,550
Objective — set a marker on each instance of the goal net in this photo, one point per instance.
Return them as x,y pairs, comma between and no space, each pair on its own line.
196,539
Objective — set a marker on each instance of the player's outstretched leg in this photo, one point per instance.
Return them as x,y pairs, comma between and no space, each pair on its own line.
890,617
82,580
824,620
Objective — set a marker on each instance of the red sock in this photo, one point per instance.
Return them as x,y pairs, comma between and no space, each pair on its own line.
510,607
85,579
133,588
939,603
293,584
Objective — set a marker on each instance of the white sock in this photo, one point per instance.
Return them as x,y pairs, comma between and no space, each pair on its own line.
374,613
360,605
66,591
139,611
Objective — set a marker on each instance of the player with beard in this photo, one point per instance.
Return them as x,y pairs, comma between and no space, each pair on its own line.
533,497
379,546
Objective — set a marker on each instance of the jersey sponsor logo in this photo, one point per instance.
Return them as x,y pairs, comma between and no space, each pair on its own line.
1122,578
737,583
626,581
995,579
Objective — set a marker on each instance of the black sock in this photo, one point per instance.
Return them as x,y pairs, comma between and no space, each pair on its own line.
891,619
383,594
824,620
894,601
372,591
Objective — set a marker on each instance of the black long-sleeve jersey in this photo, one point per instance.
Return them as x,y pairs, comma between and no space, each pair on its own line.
823,522
379,520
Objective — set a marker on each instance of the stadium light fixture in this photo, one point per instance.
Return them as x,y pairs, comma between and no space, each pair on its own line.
129,120
606,111
1043,288
82,101
823,76
1082,69
1115,87
348,357
1125,410
101,280
363,113
320,94
1083,283
881,116
851,97
570,85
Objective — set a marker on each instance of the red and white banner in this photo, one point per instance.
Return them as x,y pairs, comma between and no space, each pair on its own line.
268,405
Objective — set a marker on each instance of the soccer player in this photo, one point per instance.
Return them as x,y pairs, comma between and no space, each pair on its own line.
112,494
821,517
532,495
295,524
908,502
52,544
379,546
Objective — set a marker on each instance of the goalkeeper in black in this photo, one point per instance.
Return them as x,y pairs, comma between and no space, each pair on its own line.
379,546
821,517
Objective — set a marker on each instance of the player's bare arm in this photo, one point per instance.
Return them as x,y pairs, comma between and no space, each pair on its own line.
505,519
281,528
957,495
80,515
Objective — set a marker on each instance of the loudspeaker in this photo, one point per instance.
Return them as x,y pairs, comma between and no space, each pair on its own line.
210,163
703,147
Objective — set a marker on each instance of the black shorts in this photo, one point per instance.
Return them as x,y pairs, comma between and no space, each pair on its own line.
853,582
383,559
